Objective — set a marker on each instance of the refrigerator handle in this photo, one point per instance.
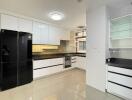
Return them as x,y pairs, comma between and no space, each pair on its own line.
5,54
5,50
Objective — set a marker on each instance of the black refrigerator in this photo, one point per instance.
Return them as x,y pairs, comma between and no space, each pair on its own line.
16,66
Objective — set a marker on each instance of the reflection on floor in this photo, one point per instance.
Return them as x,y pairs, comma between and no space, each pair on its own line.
69,85
93,94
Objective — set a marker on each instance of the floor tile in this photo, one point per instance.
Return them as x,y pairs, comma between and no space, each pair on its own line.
68,85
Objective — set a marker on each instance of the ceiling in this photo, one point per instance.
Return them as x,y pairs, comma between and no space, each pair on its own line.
119,8
111,3
75,11
116,7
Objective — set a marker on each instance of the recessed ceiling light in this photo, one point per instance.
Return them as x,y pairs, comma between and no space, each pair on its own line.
55,15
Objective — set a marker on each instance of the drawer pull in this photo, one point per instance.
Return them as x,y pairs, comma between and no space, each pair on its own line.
120,85
74,62
120,74
48,66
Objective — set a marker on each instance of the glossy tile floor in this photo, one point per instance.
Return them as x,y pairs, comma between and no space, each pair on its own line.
69,85
93,94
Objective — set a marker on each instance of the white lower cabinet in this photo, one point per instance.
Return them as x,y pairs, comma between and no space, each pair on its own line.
120,70
47,71
120,91
47,67
74,61
123,80
119,82
47,62
79,62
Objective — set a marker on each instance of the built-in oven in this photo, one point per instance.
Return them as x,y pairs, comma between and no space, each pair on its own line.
67,61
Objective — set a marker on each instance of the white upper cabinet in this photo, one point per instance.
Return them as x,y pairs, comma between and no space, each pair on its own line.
40,33
13,23
65,34
54,35
25,25
9,22
121,32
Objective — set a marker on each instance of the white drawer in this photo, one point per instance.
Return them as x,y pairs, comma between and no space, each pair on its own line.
119,90
120,70
123,80
47,62
74,64
74,57
47,71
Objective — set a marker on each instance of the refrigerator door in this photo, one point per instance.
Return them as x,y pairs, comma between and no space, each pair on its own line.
8,62
25,67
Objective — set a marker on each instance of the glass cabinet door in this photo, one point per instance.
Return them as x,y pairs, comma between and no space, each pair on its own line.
121,28
121,32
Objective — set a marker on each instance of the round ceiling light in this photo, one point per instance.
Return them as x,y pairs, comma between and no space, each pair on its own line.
55,15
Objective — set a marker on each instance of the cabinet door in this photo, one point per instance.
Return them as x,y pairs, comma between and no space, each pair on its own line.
47,71
121,91
54,35
47,67
47,62
25,25
40,33
74,61
9,22
81,62
65,34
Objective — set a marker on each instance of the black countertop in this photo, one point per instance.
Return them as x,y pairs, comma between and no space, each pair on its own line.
39,56
119,62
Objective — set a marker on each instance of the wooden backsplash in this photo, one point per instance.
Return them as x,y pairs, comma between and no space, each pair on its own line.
39,48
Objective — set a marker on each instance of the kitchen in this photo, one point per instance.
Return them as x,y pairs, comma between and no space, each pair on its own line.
33,49
49,52
44,55
65,50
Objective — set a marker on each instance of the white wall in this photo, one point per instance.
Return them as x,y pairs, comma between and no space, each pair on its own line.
118,12
96,45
